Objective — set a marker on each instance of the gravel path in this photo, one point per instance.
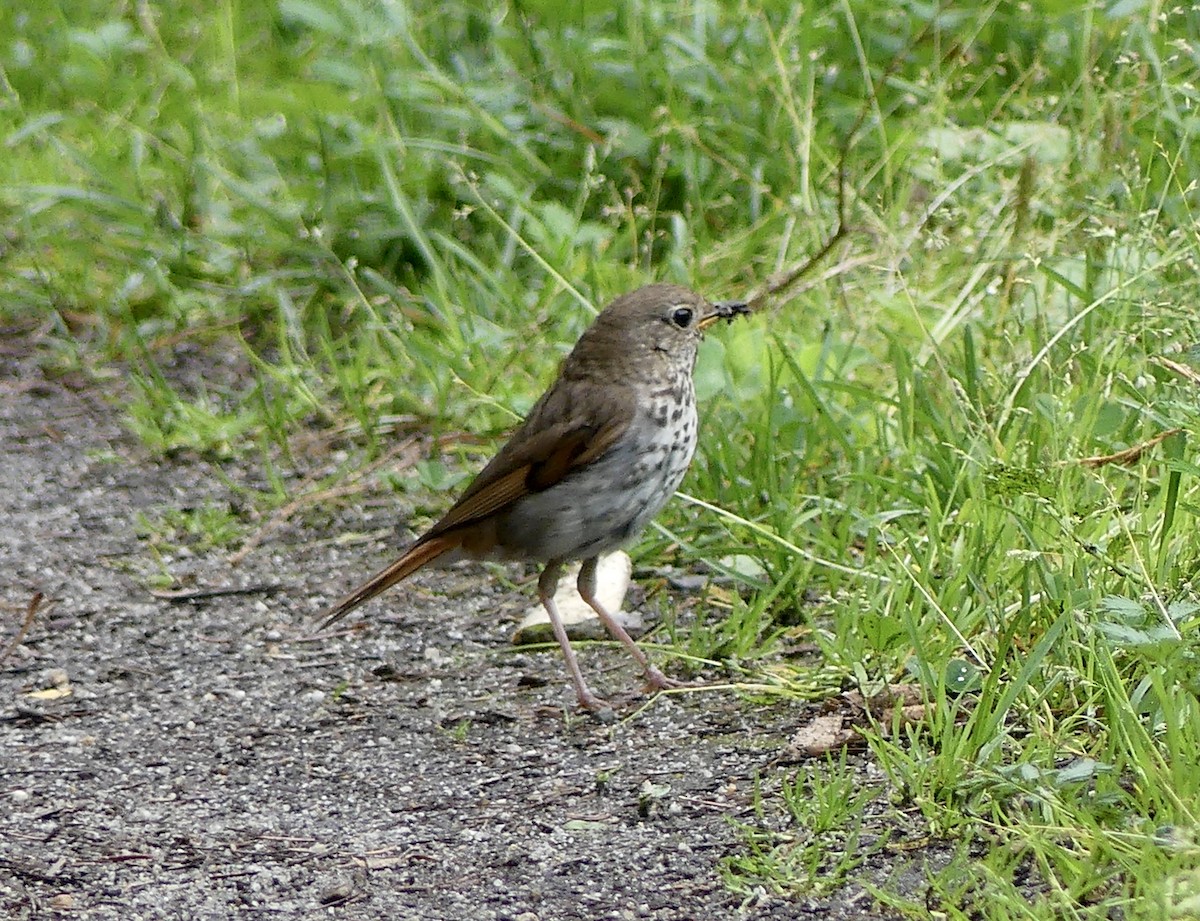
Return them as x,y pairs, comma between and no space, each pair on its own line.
211,759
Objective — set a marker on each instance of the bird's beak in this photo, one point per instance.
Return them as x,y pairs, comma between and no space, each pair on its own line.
725,310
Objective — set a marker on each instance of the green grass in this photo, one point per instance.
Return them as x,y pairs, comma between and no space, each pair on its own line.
376,208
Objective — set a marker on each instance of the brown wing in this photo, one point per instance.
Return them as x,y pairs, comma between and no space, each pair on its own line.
569,427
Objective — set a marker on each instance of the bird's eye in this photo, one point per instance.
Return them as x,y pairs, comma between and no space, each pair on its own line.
682,317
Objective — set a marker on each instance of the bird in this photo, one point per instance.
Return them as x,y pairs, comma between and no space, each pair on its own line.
596,458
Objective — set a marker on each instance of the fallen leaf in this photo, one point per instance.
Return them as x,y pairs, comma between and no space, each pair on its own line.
821,736
51,693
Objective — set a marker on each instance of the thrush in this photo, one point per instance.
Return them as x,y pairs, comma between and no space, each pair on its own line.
596,458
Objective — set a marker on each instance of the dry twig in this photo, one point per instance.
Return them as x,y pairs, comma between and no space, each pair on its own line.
1129,455
781,281
1187,373
30,613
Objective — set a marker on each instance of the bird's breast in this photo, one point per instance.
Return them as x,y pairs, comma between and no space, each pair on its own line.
607,502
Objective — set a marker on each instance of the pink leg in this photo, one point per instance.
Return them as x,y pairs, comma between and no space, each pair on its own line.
587,591
547,584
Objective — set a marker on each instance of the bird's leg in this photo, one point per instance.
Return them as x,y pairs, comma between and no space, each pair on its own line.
587,591
547,584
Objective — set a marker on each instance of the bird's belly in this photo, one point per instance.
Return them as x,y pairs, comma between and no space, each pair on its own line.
604,504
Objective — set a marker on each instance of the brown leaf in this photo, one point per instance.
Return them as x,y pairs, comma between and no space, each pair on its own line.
822,735
883,702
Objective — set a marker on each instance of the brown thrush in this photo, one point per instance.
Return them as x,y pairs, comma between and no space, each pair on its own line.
599,454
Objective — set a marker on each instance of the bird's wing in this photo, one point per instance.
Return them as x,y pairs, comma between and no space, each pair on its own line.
565,430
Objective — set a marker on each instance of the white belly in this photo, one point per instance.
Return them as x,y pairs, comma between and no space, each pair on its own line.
607,503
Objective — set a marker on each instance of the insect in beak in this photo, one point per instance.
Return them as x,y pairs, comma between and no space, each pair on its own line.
725,310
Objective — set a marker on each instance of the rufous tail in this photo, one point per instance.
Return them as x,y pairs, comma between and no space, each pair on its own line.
417,556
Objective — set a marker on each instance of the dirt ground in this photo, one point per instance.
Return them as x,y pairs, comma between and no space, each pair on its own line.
213,758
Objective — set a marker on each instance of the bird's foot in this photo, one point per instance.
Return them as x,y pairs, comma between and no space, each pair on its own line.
597,706
657,681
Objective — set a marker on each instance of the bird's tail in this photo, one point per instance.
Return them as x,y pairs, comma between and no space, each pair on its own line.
417,556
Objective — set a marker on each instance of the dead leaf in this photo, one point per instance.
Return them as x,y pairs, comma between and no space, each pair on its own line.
822,735
51,693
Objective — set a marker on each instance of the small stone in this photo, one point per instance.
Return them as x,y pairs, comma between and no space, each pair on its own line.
335,894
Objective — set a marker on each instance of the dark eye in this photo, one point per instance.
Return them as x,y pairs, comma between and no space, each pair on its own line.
682,317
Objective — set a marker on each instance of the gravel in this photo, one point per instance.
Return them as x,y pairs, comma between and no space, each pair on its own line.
211,758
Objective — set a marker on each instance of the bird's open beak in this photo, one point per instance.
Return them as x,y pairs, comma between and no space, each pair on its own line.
725,310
